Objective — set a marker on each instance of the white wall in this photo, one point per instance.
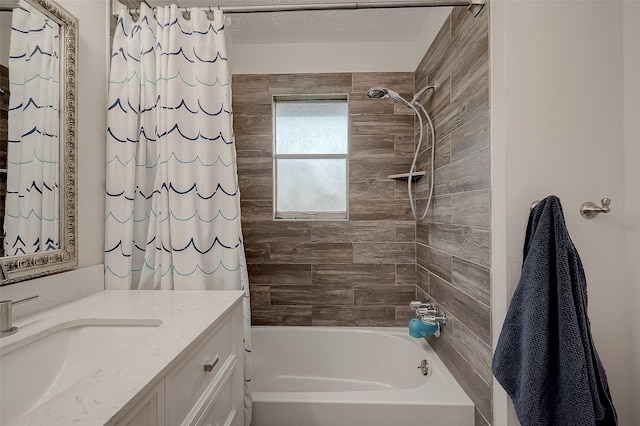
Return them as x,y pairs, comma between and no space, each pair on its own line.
54,290
322,57
499,264
278,58
429,31
557,128
91,107
632,180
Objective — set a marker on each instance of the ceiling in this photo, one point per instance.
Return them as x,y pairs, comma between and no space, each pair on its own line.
336,26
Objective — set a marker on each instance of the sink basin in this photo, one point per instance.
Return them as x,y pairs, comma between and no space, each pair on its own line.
37,368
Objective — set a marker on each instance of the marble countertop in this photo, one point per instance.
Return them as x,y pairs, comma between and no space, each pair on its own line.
95,399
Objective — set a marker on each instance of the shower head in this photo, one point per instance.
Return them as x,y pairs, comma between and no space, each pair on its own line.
377,93
383,92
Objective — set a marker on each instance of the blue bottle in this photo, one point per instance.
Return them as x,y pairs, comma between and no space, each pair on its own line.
418,329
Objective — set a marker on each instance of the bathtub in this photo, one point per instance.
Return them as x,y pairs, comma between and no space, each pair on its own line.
334,376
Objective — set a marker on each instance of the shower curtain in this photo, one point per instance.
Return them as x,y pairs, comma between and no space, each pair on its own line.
31,222
172,202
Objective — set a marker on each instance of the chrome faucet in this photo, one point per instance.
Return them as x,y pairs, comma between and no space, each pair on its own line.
6,318
429,314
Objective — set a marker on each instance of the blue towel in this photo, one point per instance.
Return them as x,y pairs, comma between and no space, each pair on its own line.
545,358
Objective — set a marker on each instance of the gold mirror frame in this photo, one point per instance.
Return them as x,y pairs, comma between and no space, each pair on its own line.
24,267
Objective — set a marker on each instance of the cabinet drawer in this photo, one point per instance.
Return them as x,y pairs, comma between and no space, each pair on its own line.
224,406
185,384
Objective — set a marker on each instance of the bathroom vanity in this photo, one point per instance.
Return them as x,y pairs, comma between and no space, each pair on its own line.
127,358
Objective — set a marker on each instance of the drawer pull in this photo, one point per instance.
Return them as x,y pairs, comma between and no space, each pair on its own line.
208,366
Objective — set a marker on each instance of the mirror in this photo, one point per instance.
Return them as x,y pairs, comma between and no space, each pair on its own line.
38,51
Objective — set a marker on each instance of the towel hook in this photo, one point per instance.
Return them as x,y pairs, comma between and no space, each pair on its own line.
590,210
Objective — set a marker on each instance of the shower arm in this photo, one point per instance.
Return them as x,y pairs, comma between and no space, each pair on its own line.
433,87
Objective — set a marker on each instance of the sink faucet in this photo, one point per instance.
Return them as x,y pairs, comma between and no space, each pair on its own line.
6,319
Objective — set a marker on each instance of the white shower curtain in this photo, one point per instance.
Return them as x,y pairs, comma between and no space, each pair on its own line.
32,206
173,203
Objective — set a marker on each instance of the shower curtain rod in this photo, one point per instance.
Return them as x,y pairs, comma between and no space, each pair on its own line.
474,6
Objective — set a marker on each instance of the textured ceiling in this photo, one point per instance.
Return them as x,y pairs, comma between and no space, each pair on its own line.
402,24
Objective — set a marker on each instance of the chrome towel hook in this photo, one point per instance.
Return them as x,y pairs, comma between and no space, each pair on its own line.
590,210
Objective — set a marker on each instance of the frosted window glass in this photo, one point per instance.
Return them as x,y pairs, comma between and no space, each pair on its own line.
311,185
304,127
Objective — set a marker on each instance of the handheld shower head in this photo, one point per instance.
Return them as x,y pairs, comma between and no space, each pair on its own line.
377,93
383,92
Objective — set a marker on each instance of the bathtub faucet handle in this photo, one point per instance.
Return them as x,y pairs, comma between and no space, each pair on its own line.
427,311
440,319
416,305
429,314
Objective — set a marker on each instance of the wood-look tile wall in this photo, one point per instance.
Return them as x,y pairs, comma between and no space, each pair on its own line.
453,243
357,272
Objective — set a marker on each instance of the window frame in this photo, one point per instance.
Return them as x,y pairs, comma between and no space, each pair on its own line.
309,215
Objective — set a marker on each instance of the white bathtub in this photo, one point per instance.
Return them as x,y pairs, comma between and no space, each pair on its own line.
331,376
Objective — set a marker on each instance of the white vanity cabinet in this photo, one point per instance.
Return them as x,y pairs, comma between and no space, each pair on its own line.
149,411
167,358
204,386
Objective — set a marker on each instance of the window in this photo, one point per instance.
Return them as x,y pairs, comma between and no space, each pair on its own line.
310,157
